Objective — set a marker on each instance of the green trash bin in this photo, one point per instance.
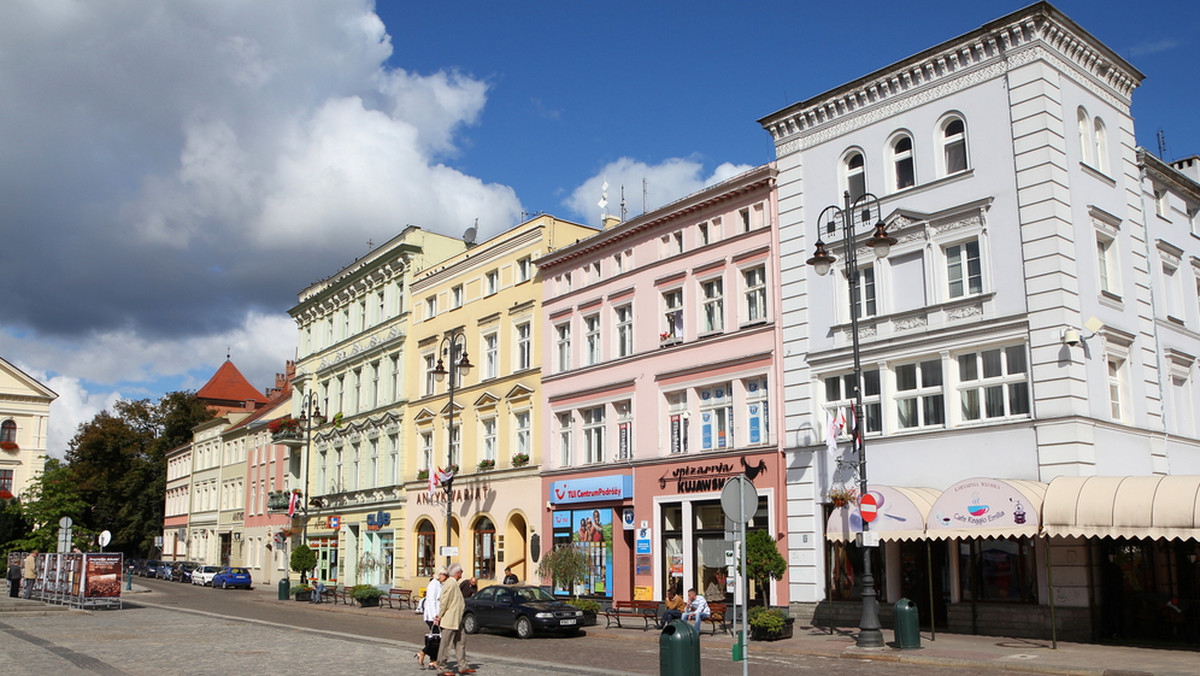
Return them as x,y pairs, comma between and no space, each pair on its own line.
285,588
679,650
908,625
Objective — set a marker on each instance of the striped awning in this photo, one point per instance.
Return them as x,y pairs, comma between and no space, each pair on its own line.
1151,507
986,508
901,515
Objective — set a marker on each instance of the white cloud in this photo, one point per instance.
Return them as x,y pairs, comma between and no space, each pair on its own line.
665,182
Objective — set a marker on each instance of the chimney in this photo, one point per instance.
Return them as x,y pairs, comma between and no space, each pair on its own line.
611,221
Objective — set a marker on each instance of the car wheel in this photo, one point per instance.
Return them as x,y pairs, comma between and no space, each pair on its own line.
524,627
224,584
469,623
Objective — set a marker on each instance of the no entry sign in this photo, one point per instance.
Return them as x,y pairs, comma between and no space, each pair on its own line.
867,507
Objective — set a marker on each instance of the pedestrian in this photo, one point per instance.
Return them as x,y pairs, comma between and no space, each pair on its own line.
450,612
429,609
29,573
509,576
468,587
697,609
14,578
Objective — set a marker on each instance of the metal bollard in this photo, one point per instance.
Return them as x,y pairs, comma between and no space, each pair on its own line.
129,579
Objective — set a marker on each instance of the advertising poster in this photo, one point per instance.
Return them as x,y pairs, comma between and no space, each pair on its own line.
592,531
102,576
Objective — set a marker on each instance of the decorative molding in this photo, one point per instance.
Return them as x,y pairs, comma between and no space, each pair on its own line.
909,323
972,310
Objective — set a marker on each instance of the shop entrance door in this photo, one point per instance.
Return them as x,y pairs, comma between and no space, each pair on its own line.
226,548
915,560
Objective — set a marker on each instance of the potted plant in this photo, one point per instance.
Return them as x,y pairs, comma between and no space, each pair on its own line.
770,624
423,475
520,460
485,465
763,560
366,595
842,495
590,609
9,446
303,592
566,566
303,560
284,428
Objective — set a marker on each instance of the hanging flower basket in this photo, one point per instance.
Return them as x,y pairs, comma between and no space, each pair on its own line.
840,496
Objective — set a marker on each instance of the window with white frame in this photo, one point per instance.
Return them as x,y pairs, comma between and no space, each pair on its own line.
491,282
393,459
862,298
593,435
380,307
673,315
624,330
854,175
1172,282
744,215
954,145
964,272
754,284
1084,135
489,439
355,468
672,244
426,451
716,417
624,413
678,417
904,175
591,337
373,467
456,296
563,334
993,384
524,350
714,305
362,315
1100,139
1183,413
1118,387
1160,202
431,307
758,428
524,269
1193,217
491,356
522,428
456,444
565,442
595,272
1106,263
702,234
564,283
395,365
430,379
840,397
920,401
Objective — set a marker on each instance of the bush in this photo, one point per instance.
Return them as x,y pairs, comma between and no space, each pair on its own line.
362,592
567,565
304,559
771,620
301,588
586,605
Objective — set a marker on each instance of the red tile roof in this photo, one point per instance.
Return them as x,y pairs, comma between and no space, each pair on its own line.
229,385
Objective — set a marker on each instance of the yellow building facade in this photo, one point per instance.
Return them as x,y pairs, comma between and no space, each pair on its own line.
485,302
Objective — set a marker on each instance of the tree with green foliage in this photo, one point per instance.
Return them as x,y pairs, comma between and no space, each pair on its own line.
763,561
51,496
303,560
566,565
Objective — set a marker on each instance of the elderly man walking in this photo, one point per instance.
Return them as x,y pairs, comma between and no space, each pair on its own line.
450,612
29,573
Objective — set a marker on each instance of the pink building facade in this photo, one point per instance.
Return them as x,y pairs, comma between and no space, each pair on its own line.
661,371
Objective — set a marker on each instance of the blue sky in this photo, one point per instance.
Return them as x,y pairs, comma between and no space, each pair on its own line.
175,173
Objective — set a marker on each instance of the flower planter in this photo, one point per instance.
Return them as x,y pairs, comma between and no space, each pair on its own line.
304,596
369,603
760,634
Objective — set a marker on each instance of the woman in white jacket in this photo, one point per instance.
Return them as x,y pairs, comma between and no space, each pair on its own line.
429,608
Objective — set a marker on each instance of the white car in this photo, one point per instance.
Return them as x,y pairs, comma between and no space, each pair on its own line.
204,575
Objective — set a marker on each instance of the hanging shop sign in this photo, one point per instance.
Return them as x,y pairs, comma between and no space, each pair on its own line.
333,522
710,476
592,489
379,520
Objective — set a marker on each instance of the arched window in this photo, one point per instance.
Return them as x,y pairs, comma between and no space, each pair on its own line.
1100,136
1085,143
954,145
856,175
485,549
8,431
902,161
426,538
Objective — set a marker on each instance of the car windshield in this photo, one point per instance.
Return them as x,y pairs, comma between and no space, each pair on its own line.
533,594
210,569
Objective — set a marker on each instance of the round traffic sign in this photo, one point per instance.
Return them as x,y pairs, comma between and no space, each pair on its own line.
105,538
739,499
868,507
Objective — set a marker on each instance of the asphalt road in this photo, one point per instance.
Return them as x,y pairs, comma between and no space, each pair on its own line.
185,629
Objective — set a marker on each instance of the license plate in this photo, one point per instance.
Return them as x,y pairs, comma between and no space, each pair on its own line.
566,622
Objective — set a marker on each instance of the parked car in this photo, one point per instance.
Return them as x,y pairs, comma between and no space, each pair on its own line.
135,565
524,609
165,569
183,571
151,568
231,577
203,575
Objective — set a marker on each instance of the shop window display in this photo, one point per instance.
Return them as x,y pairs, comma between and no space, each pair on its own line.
592,531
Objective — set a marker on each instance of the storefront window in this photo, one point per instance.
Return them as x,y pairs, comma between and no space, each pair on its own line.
426,536
485,549
998,570
845,566
591,530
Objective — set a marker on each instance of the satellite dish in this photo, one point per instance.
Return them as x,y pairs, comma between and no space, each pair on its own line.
469,235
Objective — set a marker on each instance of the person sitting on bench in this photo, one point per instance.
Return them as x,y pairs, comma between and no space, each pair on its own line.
675,605
697,609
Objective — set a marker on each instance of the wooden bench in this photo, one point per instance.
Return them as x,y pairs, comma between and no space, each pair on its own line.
341,594
647,611
716,618
400,596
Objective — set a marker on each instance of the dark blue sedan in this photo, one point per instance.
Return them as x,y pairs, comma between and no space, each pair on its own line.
231,577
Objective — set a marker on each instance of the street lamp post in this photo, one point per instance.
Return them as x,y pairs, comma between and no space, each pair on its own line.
452,346
863,211
309,413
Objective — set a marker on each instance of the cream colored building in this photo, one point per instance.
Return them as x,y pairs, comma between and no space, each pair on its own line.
487,299
24,422
351,357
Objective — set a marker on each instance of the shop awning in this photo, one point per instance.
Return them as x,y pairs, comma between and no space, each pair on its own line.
1124,506
986,508
901,515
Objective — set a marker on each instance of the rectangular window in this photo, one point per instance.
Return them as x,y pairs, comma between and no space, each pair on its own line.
430,378
1106,264
595,267
714,304
1160,202
702,233
380,308
744,214
863,296
677,421
564,283
362,315
1116,388
716,417
994,384
455,444
456,296
396,393
755,284
1001,570
618,264
563,332
673,314
431,307
394,458
489,439
919,398
1173,292
840,396
491,356
524,269
593,435
521,423
426,451
492,282
624,330
565,448
591,325
963,270
758,418
524,351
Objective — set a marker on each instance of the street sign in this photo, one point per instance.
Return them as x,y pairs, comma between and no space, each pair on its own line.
868,507
642,542
65,522
739,499
105,538
448,551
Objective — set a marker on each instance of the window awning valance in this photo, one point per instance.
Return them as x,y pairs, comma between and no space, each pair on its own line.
986,508
901,515
1123,506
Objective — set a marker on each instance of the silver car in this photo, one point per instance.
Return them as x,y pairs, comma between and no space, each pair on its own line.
204,575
